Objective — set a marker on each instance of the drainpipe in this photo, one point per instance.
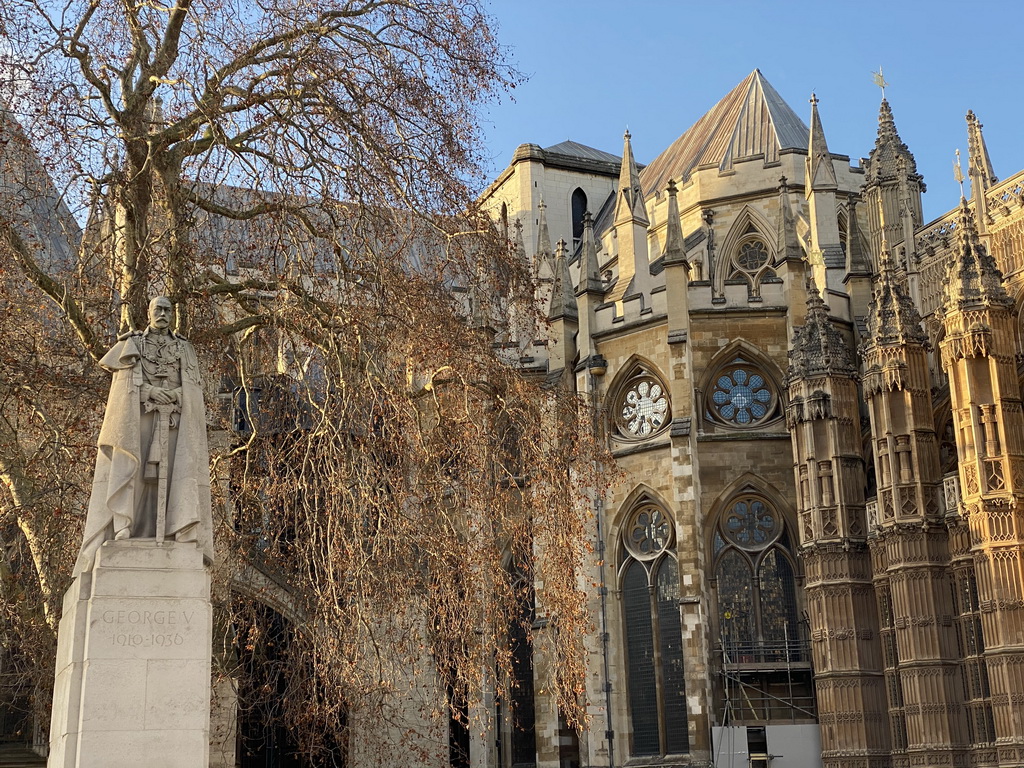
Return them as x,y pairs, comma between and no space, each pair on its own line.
603,591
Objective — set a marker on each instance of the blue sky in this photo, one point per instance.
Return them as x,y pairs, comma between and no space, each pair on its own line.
594,68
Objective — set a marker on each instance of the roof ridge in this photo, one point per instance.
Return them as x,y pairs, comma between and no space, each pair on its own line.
588,152
723,132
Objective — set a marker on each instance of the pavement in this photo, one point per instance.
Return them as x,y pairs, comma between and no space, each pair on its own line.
17,756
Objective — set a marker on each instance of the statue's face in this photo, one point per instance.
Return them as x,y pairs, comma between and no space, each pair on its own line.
160,313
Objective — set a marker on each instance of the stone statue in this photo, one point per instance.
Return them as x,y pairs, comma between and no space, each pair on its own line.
152,476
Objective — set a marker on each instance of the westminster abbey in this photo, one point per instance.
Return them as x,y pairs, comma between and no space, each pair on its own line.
814,551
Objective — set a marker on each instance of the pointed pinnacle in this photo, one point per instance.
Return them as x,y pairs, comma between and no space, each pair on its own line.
818,348
630,205
563,303
974,277
590,269
819,159
543,236
675,246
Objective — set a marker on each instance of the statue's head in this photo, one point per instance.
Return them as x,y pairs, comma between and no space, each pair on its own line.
161,312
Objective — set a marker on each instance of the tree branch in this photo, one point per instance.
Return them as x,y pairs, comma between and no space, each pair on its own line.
57,292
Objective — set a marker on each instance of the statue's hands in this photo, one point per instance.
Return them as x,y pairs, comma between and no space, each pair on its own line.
162,396
148,392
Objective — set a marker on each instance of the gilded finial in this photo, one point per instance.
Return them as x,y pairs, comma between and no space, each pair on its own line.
958,174
879,80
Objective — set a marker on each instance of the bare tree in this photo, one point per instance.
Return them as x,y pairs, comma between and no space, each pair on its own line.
297,176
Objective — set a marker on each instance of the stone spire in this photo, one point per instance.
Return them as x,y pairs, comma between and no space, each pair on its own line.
821,174
979,168
563,317
824,424
818,348
630,204
907,534
675,246
890,176
820,185
978,353
888,147
518,246
543,238
590,267
563,303
631,223
973,278
979,163
590,295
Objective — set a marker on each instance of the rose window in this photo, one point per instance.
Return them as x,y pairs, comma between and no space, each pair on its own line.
752,256
742,396
751,524
648,532
643,408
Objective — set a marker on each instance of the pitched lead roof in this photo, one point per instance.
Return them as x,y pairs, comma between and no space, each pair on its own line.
752,119
582,151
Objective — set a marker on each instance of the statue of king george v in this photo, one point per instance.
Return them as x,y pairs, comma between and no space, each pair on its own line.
152,476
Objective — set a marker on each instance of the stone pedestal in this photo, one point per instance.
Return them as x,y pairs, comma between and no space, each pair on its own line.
133,661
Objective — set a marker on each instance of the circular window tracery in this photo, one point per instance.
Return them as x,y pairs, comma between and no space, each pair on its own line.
751,524
642,408
752,256
742,395
648,532
750,263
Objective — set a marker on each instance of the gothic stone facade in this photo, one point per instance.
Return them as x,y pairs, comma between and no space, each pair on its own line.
813,552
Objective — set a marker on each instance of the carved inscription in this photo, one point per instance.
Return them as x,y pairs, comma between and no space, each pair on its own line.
147,629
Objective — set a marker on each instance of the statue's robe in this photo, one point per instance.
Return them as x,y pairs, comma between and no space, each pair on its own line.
119,483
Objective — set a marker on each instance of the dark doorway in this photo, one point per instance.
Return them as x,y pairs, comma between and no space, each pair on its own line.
264,739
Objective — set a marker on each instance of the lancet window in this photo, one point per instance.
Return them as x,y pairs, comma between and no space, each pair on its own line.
579,208
756,583
765,663
649,580
516,716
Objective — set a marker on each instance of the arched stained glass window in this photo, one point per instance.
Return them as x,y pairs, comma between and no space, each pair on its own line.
758,617
673,679
643,691
735,602
521,717
777,589
763,643
653,636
